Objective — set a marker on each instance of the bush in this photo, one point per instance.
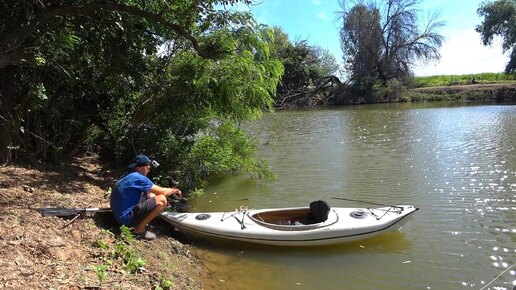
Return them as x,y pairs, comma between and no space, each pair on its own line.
391,92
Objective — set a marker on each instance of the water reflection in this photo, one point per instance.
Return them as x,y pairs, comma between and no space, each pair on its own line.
240,257
390,242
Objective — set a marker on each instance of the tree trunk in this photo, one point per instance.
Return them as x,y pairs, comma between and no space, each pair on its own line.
6,113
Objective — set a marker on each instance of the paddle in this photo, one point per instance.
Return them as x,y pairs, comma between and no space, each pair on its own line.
65,212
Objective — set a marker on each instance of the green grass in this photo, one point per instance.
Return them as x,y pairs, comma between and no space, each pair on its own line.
448,80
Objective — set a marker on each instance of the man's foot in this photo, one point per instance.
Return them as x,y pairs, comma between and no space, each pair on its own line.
146,235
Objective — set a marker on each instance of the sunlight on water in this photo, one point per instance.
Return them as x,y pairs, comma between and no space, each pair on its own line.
457,164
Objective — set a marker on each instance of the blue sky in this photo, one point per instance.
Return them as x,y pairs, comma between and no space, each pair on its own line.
317,22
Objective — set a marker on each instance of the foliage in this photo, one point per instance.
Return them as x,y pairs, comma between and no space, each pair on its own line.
123,77
118,251
194,97
126,236
391,92
164,283
382,41
101,271
499,19
225,149
304,64
196,193
361,40
123,250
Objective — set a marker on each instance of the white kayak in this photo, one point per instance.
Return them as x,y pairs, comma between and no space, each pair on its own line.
299,226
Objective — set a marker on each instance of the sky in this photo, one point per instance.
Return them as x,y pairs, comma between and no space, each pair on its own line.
461,53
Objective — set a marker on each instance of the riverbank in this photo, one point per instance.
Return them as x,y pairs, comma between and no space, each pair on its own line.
471,92
88,252
342,95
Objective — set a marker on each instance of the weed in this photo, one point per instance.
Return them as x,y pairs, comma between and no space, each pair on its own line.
164,283
101,271
126,235
197,192
123,250
102,245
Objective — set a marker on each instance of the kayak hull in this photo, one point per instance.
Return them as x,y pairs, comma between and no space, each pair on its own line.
288,227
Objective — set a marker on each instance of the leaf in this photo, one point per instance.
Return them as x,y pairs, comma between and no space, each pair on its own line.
40,60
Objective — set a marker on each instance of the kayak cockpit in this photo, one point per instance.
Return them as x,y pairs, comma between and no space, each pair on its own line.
295,219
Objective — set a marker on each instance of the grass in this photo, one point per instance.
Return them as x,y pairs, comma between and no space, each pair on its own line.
449,80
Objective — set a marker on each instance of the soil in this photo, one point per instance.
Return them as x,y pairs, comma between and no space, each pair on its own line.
80,252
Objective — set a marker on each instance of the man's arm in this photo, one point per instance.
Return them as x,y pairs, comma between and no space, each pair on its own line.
166,191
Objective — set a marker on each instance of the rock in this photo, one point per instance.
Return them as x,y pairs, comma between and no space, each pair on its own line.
28,188
62,254
15,242
76,235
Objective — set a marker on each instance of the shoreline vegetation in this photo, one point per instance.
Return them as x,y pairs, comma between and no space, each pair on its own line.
467,79
471,87
489,87
499,92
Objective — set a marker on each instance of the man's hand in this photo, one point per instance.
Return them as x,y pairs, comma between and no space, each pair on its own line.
176,192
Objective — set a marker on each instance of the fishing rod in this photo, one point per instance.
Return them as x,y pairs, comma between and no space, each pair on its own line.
368,202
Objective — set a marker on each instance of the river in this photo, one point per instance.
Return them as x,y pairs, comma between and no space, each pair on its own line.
457,163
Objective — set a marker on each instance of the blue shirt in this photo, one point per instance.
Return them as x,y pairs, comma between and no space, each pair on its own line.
128,191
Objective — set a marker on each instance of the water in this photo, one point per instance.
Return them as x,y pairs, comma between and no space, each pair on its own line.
457,164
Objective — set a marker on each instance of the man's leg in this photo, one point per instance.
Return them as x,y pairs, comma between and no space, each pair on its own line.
161,204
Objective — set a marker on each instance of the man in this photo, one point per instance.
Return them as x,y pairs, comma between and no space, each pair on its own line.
136,200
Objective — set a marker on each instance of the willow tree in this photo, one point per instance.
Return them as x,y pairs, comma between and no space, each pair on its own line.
383,39
168,78
499,19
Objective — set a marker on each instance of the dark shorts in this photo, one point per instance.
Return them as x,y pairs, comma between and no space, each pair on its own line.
143,209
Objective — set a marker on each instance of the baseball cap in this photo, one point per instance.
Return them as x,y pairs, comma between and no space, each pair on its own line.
141,160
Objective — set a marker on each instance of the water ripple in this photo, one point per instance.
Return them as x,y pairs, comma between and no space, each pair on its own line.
457,164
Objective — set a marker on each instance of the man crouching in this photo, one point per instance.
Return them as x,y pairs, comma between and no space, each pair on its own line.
136,200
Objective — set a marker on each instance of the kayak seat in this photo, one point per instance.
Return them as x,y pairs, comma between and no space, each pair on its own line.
319,211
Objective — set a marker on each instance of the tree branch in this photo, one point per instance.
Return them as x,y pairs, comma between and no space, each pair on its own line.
11,42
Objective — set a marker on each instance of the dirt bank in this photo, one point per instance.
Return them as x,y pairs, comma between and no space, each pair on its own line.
54,253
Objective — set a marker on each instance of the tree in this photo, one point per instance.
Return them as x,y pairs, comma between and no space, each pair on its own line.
361,41
305,66
124,77
382,40
499,19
